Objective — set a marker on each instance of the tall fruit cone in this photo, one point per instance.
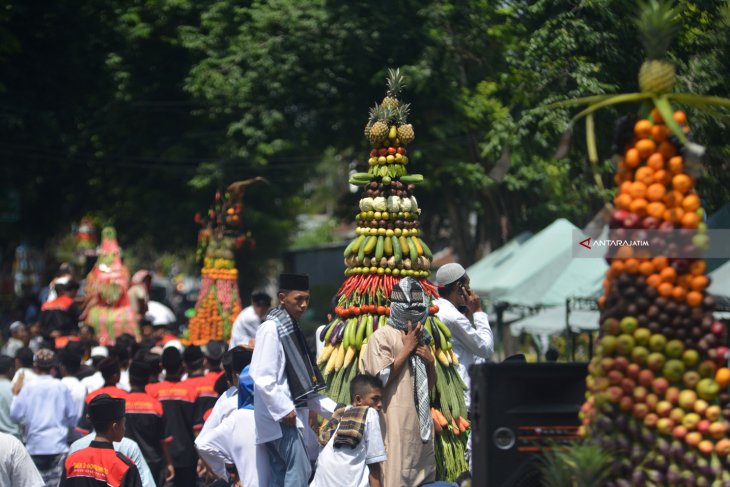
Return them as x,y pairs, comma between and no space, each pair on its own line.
387,246
654,397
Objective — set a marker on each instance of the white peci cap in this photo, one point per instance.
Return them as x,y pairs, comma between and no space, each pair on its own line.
449,273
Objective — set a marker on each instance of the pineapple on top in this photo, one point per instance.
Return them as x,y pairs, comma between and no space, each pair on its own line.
657,25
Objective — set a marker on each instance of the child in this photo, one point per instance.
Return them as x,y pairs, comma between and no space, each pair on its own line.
99,464
352,439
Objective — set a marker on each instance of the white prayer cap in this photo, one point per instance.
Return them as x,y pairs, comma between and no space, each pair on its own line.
17,325
449,273
174,343
99,351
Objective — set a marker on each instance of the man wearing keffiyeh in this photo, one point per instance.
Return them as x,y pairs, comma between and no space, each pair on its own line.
400,355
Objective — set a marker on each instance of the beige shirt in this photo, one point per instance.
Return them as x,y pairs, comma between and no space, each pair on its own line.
410,462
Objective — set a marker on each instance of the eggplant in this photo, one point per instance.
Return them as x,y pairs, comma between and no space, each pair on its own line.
663,446
655,476
604,423
622,483
623,443
337,334
638,477
647,437
324,331
677,450
703,467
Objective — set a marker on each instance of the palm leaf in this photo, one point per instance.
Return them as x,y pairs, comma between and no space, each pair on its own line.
586,100
699,100
614,100
665,109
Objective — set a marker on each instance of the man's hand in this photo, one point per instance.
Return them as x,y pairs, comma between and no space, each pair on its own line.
19,383
424,351
290,419
313,421
169,472
410,337
471,300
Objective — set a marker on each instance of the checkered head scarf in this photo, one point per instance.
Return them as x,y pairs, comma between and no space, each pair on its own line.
409,303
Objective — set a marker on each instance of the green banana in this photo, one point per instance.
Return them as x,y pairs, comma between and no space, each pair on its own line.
379,248
396,249
442,328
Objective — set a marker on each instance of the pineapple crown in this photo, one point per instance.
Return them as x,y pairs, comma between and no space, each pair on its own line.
395,82
658,23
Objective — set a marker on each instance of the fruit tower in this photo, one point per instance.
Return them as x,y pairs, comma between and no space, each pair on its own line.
109,311
388,245
220,235
656,388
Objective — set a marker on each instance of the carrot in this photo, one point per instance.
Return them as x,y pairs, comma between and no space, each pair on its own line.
437,427
439,417
463,424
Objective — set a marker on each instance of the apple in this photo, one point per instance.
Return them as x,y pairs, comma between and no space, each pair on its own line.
706,447
620,363
677,415
632,371
607,364
690,379
718,328
601,383
679,432
614,394
650,223
707,368
617,218
652,400
629,324
707,389
626,404
640,394
693,438
646,377
655,361
611,326
690,357
639,355
673,370
665,425
713,412
674,348
690,421
608,342
615,377
641,410
722,447
722,353
628,385
672,395
625,344
650,419
700,407
717,429
687,399
660,385
663,408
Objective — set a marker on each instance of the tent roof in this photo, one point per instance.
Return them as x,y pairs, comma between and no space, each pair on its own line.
485,268
720,280
551,321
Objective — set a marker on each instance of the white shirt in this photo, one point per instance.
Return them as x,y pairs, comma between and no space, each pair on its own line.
47,411
123,383
244,327
78,392
16,466
93,382
223,407
271,389
345,467
471,343
232,441
27,373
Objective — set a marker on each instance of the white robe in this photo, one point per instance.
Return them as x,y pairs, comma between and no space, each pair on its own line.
271,389
224,406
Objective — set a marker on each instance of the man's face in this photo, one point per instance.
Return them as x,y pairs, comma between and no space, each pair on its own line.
295,303
373,398
21,334
462,290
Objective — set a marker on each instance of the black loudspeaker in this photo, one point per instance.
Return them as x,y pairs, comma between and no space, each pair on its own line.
518,409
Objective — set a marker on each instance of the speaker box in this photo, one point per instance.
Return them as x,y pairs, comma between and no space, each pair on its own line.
518,409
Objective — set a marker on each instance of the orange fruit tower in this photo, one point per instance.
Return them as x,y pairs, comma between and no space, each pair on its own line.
218,302
655,386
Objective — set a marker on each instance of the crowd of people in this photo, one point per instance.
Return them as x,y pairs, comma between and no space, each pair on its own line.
251,412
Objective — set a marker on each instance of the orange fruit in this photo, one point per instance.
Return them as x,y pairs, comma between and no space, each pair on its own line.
624,252
699,283
638,189
682,183
660,262
698,267
665,289
674,215
644,174
667,150
642,129
625,187
638,206
722,377
656,209
632,158
601,302
668,274
679,293
654,280
661,176
631,266
618,266
622,201
690,220
694,299
676,164
659,133
680,117
655,161
645,147
655,192
691,202
673,198
656,116
646,268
